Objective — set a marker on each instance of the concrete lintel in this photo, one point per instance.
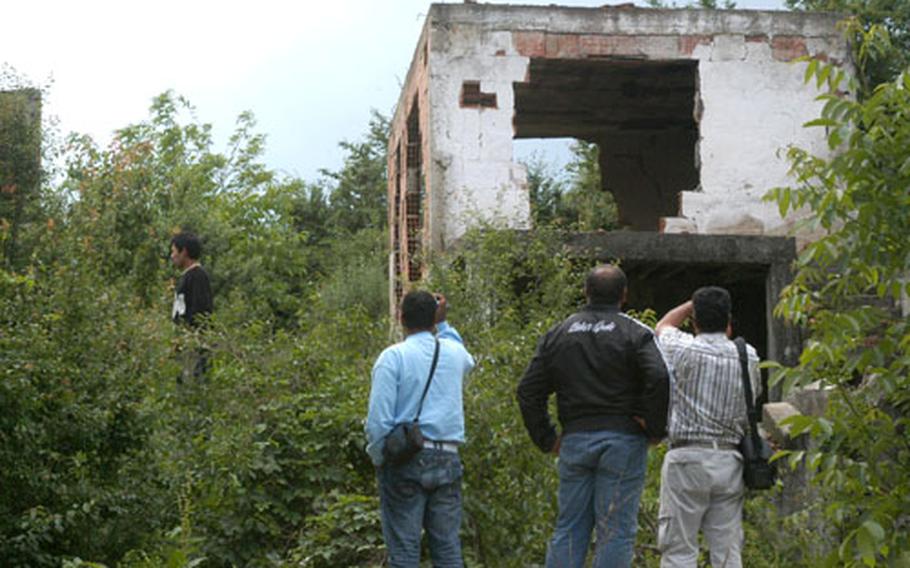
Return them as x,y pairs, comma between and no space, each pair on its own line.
702,249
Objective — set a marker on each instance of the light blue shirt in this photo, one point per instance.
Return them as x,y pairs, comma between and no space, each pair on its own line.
399,376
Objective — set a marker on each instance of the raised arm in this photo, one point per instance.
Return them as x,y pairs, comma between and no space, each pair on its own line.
446,331
674,318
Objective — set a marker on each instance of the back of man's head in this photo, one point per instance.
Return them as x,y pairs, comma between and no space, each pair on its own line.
418,310
712,307
606,284
189,242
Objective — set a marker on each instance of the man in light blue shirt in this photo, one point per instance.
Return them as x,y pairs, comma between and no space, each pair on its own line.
425,492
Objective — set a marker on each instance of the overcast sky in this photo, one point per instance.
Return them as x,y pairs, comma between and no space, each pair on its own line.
309,71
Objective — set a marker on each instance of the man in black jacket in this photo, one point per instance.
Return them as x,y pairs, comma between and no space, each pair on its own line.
612,392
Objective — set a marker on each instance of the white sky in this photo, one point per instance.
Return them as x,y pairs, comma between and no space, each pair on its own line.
309,71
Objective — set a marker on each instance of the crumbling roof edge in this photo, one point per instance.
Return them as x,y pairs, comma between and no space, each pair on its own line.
632,20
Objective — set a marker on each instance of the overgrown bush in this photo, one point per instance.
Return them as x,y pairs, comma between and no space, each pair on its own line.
847,292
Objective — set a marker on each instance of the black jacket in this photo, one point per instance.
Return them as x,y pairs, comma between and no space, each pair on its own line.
605,367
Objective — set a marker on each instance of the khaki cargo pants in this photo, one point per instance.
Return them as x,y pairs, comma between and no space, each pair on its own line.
701,489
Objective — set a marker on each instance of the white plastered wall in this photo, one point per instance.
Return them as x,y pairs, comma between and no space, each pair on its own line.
754,108
473,176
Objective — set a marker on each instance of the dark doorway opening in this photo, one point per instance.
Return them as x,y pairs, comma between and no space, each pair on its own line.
664,285
664,269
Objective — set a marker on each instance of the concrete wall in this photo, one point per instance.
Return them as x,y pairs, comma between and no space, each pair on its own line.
751,103
754,104
472,165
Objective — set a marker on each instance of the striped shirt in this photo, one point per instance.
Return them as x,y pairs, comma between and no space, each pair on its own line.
707,402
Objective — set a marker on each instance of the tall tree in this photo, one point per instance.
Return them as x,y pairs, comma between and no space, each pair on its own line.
593,207
357,191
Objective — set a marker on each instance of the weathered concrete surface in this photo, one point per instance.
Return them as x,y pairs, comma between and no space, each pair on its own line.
811,400
747,102
773,416
657,247
691,109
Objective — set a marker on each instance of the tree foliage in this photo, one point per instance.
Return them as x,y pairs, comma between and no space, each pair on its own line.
892,16
108,460
577,201
847,292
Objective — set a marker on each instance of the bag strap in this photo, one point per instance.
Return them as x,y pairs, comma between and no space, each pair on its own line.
429,379
747,387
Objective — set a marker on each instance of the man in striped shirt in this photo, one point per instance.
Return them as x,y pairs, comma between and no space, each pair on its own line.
702,475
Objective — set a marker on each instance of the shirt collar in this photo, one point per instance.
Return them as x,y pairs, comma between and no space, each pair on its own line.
190,267
714,336
418,335
601,308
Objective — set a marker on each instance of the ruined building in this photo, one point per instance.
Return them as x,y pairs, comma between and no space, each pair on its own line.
690,110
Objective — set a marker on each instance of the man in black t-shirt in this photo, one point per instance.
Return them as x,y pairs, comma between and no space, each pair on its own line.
192,295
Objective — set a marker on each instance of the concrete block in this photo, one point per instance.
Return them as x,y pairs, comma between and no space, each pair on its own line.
773,414
734,223
811,400
729,48
679,225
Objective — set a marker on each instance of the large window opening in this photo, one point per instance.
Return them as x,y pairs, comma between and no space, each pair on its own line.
640,114
564,184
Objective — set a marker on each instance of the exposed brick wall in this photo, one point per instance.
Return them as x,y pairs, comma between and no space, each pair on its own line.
530,44
688,43
578,46
788,48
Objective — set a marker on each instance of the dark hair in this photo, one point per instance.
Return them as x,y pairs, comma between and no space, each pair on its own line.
605,284
418,310
189,242
712,308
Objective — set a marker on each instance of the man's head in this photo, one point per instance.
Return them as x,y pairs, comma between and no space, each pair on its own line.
712,308
418,311
606,284
186,248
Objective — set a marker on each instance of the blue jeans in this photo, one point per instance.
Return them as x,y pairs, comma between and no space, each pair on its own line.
423,493
601,476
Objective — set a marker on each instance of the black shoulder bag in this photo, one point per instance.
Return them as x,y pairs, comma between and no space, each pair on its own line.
758,472
405,440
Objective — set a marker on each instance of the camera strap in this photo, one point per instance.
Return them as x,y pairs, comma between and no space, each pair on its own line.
747,389
429,379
